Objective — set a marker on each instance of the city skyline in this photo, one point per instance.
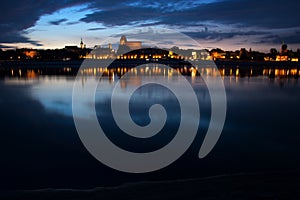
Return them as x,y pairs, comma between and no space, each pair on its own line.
128,49
227,24
80,44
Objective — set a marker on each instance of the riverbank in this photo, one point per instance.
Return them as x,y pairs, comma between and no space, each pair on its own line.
120,67
127,63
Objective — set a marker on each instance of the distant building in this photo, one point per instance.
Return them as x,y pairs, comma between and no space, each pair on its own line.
243,54
82,45
283,49
217,54
28,53
75,48
132,45
75,52
200,55
101,52
273,51
232,55
72,48
123,40
281,58
150,54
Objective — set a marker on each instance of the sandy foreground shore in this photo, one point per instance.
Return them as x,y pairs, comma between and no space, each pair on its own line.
275,185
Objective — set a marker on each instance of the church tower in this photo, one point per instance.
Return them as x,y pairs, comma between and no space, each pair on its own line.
81,44
123,40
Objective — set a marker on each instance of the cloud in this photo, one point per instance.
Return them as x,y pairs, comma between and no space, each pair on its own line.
126,15
122,12
72,23
248,20
289,38
19,15
58,22
265,13
216,35
14,36
5,47
261,16
96,29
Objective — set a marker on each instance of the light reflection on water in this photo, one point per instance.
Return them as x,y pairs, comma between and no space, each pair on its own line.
261,128
236,71
55,92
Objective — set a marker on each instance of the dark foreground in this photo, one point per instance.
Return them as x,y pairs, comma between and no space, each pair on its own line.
275,185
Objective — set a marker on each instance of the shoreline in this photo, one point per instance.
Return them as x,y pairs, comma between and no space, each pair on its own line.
120,67
77,63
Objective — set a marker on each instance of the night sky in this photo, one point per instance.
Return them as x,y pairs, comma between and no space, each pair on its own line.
227,24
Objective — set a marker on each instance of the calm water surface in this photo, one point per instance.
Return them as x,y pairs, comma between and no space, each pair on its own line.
41,148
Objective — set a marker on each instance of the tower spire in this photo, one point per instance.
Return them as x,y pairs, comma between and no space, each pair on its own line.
81,44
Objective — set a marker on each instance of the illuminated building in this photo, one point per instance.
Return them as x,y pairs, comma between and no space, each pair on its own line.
149,54
75,52
123,40
100,52
194,55
217,54
281,58
132,45
31,53
28,53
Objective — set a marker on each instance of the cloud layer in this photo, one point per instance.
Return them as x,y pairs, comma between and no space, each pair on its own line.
263,13
19,15
268,20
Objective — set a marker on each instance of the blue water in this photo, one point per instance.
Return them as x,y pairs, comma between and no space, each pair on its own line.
40,147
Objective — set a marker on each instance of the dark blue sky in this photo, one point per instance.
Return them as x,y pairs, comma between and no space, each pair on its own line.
228,24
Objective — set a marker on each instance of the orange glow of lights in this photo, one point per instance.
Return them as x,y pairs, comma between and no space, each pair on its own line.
294,59
31,74
293,72
237,72
194,72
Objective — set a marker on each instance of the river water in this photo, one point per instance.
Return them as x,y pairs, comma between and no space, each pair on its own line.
40,147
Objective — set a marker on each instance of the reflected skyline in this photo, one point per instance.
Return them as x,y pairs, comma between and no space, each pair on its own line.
55,92
260,113
273,72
